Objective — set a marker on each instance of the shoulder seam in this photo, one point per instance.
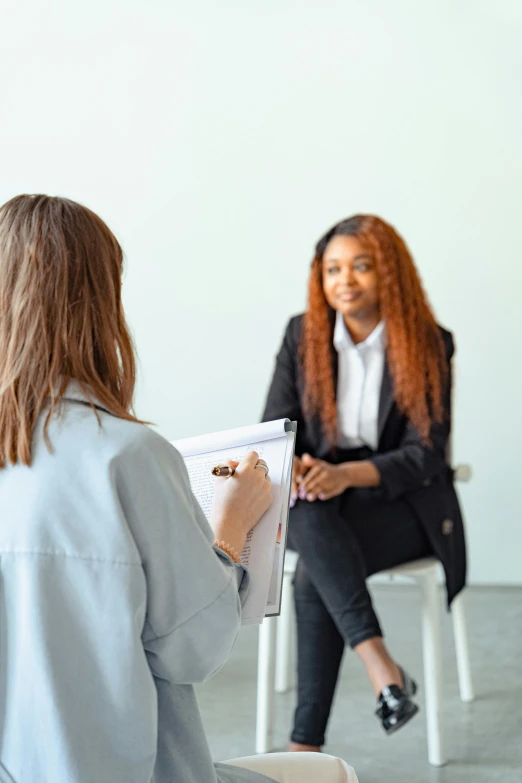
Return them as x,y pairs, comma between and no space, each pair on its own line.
69,555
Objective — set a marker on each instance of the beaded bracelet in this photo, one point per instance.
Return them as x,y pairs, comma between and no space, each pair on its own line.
229,550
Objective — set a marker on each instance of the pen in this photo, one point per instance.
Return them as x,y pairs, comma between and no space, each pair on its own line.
223,470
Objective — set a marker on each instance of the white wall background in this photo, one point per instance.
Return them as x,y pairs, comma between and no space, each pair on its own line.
219,140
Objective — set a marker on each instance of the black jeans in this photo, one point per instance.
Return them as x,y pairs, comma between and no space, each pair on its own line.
340,543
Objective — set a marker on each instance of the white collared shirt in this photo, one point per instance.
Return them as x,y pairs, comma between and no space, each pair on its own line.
359,385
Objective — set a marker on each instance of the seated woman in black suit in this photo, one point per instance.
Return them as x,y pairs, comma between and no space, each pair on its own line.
366,372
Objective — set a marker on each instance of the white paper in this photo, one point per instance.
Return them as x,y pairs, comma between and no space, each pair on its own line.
240,436
275,446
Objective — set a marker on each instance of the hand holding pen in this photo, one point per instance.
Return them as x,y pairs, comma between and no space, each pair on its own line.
239,504
227,471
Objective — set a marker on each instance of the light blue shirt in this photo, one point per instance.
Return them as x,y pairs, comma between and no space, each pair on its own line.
112,604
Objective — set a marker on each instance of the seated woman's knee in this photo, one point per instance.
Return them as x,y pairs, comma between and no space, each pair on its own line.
303,587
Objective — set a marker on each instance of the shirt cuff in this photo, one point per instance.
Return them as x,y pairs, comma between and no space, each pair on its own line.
242,573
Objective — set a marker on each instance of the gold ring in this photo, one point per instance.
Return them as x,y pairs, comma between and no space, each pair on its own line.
262,464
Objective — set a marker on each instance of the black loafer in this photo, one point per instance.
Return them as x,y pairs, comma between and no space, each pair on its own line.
394,705
410,686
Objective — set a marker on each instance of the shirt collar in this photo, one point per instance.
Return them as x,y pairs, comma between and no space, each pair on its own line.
75,393
342,339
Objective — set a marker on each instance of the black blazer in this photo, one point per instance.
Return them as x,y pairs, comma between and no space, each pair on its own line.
408,468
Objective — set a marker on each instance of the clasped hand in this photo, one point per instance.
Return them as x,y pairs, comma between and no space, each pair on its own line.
315,479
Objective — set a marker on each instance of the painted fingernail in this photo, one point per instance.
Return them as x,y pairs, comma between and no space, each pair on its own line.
310,497
302,493
321,496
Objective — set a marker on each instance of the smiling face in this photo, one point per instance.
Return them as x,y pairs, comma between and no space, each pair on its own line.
350,281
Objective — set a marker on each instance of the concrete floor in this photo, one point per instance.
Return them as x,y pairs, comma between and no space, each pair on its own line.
483,739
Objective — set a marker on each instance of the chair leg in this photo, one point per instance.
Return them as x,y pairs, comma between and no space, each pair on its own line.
285,622
432,651
460,632
265,685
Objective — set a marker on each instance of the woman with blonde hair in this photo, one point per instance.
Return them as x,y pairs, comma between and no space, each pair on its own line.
115,600
366,372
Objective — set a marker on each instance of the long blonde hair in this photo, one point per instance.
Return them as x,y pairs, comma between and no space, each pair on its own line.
61,317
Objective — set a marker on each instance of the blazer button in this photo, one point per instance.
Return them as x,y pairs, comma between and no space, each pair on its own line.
426,483
447,527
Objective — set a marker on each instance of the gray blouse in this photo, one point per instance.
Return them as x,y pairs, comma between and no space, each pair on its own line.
113,602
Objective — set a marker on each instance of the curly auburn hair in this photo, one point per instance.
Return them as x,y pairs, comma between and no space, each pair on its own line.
415,351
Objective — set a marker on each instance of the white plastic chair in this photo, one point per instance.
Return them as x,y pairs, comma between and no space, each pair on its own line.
276,637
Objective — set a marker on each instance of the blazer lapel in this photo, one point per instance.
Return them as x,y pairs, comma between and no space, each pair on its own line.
386,398
321,444
335,370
